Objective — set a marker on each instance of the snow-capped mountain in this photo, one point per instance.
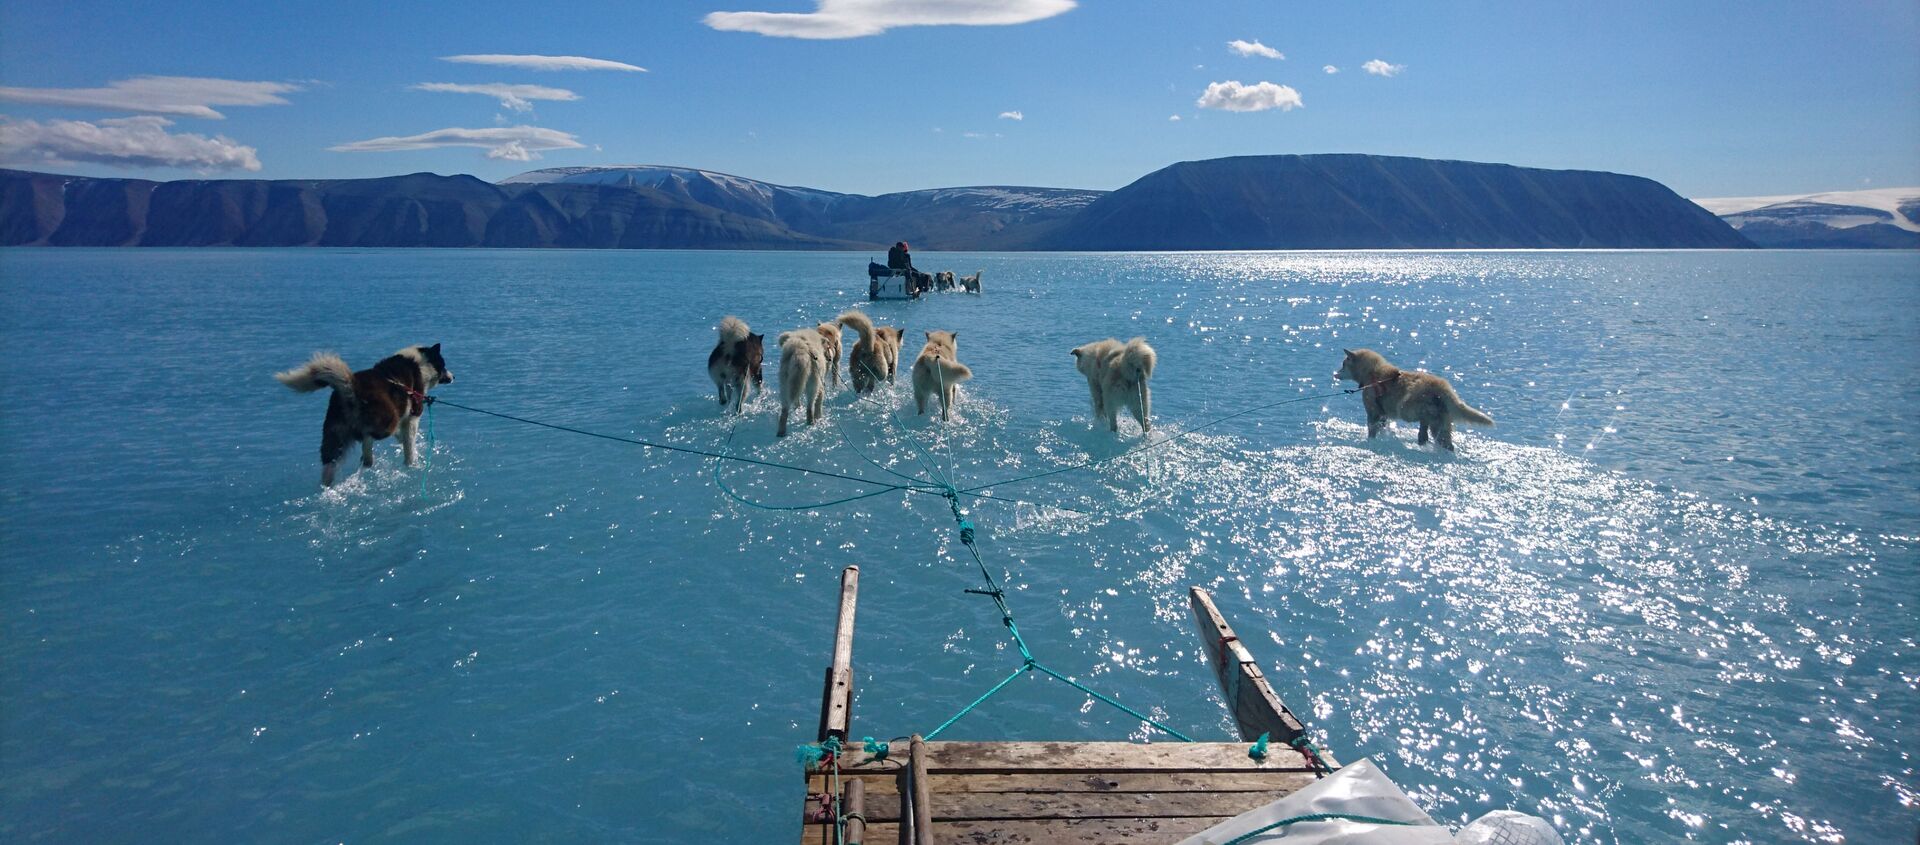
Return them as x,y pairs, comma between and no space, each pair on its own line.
1876,218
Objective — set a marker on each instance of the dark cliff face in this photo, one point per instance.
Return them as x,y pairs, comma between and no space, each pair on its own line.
1383,202
1267,202
422,209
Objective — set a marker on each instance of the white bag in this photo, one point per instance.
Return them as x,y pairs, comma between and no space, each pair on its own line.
1359,790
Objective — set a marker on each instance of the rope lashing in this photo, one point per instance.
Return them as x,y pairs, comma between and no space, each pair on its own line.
1259,750
1316,817
1311,752
814,755
876,750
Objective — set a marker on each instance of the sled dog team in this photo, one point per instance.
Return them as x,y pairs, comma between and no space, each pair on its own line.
389,398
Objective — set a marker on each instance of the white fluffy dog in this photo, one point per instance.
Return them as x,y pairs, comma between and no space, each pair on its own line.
937,372
1117,375
803,374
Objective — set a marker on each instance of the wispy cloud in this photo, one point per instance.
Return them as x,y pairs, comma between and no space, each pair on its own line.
1012,115
179,96
1173,118
509,143
141,141
978,136
1260,96
511,97
859,18
1380,68
1331,69
1253,48
531,62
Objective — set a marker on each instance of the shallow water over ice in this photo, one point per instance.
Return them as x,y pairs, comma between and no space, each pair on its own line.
1669,596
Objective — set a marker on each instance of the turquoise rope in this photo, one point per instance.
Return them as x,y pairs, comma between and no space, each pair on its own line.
1024,667
1317,817
722,484
1027,661
893,416
1124,708
683,449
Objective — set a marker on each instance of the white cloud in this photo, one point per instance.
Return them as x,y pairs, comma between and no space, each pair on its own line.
180,96
1012,115
859,18
511,97
980,135
511,143
1380,68
1331,69
1174,118
141,141
1253,48
1260,96
526,62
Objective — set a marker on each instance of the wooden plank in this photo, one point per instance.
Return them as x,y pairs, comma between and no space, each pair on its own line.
1071,782
1084,757
1058,832
1257,709
853,806
991,806
836,697
921,793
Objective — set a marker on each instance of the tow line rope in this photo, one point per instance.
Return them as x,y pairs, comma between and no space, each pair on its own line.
934,484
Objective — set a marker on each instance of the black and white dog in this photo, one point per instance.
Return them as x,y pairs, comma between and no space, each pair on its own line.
372,404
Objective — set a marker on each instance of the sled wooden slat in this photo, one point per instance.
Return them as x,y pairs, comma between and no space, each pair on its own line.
1077,793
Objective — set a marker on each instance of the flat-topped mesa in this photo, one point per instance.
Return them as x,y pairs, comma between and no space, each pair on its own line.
1388,202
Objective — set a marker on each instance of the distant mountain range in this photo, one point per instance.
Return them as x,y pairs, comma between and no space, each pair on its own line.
1881,218
1256,202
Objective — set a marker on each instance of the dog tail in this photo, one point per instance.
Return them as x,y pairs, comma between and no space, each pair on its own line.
1468,413
732,329
859,323
324,370
953,372
1138,359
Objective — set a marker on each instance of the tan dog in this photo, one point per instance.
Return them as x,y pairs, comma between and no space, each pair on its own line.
937,372
876,355
830,345
1390,393
1117,375
803,373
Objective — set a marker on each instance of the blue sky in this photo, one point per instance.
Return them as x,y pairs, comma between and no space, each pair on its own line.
1711,98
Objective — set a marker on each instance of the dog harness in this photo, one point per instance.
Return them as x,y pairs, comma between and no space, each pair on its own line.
416,400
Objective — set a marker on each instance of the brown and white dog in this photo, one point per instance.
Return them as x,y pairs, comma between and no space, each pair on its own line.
1117,375
875,356
372,404
971,284
937,372
1391,393
803,373
830,345
943,280
734,361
